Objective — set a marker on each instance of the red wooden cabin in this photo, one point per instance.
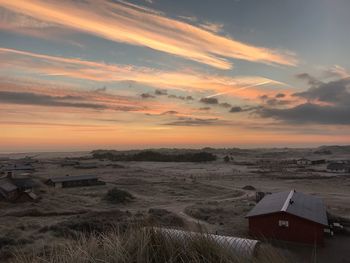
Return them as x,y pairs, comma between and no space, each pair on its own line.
289,216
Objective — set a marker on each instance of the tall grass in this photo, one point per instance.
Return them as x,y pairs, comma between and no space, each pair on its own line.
141,245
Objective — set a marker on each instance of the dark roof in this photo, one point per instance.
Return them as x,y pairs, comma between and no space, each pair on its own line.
72,178
23,182
292,202
7,186
70,162
16,167
86,165
336,166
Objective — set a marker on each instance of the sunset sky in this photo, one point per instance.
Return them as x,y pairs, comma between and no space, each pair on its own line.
88,74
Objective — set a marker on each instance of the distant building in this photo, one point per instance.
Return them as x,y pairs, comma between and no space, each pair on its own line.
17,189
8,190
18,167
338,167
68,162
24,184
74,181
316,162
289,216
303,161
86,166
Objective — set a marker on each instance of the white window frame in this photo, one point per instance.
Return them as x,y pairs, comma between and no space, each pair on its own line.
283,223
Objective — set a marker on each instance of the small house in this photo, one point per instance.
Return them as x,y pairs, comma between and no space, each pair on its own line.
303,161
17,189
338,167
19,167
69,162
317,162
24,184
86,166
289,216
74,181
8,190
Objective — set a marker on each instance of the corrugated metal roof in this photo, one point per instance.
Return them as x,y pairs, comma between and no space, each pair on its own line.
305,206
242,247
72,178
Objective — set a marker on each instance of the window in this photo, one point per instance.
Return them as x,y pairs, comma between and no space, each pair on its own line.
283,223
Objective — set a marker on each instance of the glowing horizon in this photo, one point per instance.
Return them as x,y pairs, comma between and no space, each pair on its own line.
115,74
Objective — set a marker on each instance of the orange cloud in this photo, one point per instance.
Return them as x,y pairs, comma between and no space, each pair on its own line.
36,99
132,24
99,71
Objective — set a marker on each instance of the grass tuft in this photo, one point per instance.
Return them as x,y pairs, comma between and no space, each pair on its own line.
141,245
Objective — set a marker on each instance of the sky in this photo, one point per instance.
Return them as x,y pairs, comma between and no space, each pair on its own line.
108,74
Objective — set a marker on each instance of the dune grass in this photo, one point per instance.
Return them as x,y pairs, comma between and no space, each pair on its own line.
140,245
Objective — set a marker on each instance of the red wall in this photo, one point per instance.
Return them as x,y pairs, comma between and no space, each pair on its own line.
299,230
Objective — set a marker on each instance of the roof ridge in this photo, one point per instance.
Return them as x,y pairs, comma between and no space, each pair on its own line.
287,202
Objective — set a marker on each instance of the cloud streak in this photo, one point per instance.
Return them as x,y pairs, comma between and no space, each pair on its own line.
136,25
27,98
189,121
24,92
102,72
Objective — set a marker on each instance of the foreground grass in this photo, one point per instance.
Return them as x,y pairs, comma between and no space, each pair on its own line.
140,245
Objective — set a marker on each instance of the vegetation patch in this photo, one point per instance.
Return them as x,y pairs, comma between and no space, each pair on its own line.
164,217
153,156
118,196
249,187
90,223
141,245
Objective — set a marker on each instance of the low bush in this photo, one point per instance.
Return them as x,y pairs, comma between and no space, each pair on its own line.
117,196
154,156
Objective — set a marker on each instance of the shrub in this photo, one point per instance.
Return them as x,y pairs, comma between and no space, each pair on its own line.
153,156
117,196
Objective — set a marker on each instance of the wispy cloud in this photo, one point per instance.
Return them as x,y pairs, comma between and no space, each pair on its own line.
147,96
337,71
24,92
100,71
213,27
36,95
136,25
187,98
209,100
27,98
244,87
188,121
29,26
